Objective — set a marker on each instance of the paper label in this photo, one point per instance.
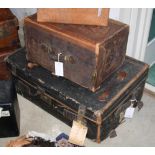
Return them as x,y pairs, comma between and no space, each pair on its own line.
59,71
78,133
1,112
99,12
4,113
129,112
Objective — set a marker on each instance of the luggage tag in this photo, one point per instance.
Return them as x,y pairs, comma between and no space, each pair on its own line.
4,113
130,110
79,129
59,71
1,112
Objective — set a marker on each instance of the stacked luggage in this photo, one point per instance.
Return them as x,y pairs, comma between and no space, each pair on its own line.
9,108
65,66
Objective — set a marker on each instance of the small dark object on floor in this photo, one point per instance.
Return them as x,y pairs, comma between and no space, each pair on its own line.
40,142
112,134
99,51
61,136
64,143
9,39
36,141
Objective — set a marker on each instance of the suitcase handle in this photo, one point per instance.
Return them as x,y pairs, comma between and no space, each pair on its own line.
59,108
40,93
57,56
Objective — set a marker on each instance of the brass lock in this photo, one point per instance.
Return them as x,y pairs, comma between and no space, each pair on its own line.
69,59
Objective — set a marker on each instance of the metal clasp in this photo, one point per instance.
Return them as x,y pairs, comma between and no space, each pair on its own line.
133,103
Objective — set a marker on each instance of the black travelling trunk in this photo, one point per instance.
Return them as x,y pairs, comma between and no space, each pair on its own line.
62,98
9,113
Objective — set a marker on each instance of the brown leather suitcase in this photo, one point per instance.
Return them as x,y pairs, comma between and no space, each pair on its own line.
8,31
86,16
89,53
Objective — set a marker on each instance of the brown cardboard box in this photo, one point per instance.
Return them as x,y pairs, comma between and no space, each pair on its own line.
74,16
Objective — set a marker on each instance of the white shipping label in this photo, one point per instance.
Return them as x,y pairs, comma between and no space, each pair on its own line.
5,113
1,112
59,70
129,112
99,12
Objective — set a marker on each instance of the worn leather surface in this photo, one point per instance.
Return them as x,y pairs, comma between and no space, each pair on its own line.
8,30
96,51
61,97
73,94
89,34
5,14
